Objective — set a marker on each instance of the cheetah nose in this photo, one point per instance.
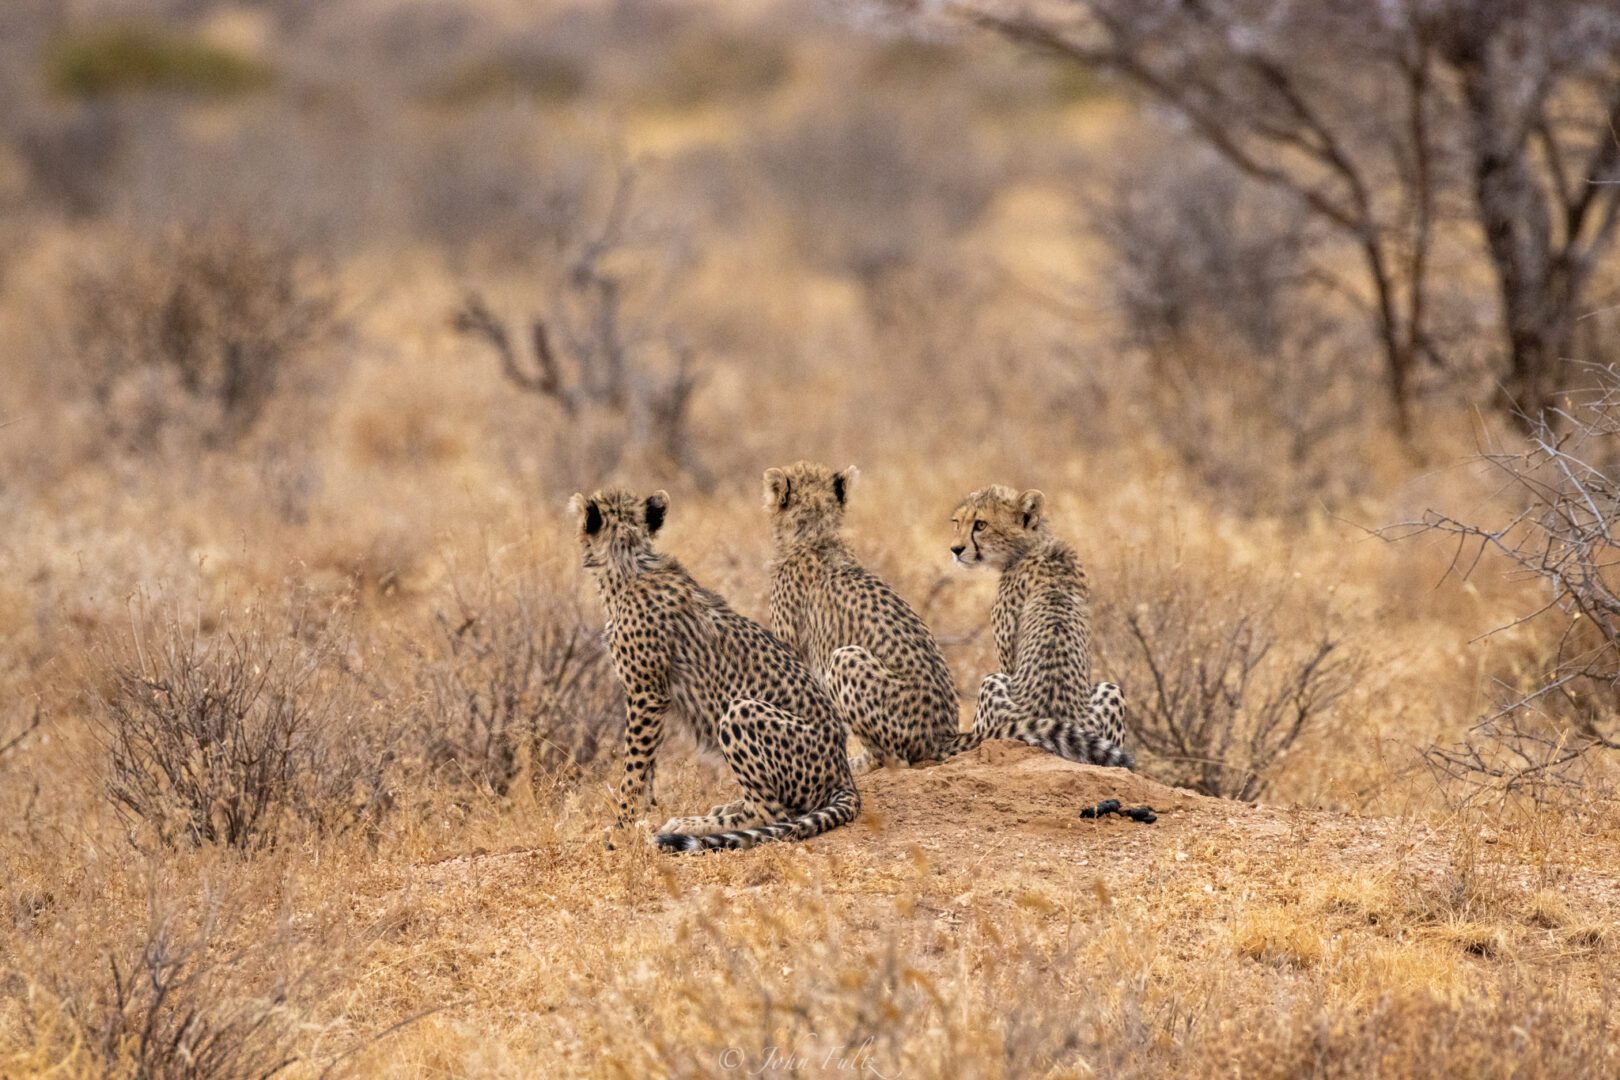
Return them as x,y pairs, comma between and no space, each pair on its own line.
957,549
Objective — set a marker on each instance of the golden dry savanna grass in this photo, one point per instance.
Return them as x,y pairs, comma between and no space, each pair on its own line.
381,541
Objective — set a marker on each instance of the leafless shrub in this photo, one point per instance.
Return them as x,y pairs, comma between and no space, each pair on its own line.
1564,485
234,737
161,1013
1218,693
516,681
705,65
187,993
1252,363
202,325
12,739
597,352
1196,255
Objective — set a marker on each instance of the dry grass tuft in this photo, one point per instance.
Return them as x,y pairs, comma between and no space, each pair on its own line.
1475,939
1278,936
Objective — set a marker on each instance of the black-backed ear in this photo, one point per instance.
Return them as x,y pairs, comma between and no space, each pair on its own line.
778,489
657,506
588,513
1032,504
842,482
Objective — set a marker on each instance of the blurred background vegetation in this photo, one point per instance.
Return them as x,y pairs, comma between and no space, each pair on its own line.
312,315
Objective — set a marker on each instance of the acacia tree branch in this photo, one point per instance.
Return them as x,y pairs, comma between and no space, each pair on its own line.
1598,186
1553,153
1421,190
1228,127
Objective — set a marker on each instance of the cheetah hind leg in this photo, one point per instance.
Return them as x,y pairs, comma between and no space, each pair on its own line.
723,818
1108,712
998,717
992,717
794,775
867,694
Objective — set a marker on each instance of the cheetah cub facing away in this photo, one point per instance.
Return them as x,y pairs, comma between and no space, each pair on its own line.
681,652
857,635
1042,625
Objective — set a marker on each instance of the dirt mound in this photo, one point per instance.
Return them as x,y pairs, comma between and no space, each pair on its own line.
1017,783
1016,796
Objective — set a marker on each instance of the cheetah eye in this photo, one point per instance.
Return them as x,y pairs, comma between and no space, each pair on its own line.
977,525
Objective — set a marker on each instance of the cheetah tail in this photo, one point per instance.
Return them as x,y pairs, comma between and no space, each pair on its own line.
840,809
963,741
1074,743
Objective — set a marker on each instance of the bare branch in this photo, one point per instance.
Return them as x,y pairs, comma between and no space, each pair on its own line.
1562,536
27,730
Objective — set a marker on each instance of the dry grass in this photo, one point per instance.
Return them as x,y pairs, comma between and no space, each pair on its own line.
1358,918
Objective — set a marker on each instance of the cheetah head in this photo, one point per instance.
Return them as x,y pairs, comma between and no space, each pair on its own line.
616,526
995,525
806,501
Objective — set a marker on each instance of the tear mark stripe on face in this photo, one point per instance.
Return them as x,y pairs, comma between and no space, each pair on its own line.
1041,625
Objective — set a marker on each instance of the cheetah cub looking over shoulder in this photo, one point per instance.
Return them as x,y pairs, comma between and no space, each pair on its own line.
1042,626
682,653
855,632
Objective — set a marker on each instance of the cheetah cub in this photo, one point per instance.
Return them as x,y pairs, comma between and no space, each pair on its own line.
681,653
1042,625
868,645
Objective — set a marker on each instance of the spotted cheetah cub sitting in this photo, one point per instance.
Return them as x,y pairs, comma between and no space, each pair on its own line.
682,653
857,635
1042,626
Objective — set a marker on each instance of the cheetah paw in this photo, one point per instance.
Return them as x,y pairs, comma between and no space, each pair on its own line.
693,826
615,835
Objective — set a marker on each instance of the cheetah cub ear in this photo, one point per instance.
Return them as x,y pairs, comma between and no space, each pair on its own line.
842,482
778,489
653,512
588,513
1032,504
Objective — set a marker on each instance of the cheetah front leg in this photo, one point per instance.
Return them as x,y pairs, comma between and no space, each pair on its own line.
643,735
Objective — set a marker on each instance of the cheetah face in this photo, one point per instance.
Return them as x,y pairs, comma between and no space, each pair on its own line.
615,526
995,525
806,501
